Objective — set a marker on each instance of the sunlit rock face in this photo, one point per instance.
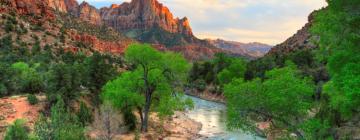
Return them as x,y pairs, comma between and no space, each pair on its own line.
146,21
36,7
58,5
89,13
144,15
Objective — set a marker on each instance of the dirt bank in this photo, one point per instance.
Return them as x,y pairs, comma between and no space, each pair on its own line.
17,107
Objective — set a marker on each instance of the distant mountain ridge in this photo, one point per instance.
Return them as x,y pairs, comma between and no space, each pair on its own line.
253,49
146,21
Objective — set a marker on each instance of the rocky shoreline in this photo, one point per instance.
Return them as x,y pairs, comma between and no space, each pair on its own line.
176,127
206,96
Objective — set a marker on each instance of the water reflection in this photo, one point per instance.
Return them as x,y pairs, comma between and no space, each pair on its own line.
212,116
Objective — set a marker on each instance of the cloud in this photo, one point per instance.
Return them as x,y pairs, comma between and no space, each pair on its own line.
268,21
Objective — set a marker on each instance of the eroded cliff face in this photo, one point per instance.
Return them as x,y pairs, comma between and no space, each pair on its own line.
35,7
144,15
88,13
58,5
43,14
147,21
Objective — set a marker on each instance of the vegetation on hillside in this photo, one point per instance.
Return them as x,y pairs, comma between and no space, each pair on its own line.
280,92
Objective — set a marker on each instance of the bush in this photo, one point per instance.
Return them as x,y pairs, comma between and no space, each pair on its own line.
3,90
62,125
17,131
200,85
32,99
84,115
129,119
9,27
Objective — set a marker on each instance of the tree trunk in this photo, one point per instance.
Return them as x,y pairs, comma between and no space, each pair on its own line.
144,127
141,115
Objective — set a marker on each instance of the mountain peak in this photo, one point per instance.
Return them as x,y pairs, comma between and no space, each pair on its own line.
144,15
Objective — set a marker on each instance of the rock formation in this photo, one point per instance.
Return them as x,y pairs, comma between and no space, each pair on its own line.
147,21
144,15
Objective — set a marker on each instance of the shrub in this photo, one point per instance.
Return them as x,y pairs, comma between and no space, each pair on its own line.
32,99
61,125
129,119
9,27
17,131
200,85
84,115
3,90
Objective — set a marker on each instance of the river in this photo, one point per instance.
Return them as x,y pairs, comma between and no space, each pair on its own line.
212,116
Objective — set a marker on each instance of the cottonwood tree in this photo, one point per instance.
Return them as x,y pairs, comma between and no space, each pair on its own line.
284,99
338,28
154,84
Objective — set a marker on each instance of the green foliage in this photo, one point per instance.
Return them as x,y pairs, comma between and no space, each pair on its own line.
6,44
32,99
99,70
316,129
101,32
219,71
159,35
235,70
28,79
64,80
200,85
61,126
10,24
269,99
17,131
129,118
84,115
339,34
122,92
154,82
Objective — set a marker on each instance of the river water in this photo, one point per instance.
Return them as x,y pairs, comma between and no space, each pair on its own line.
212,116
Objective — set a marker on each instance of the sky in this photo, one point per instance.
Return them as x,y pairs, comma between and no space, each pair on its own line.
266,21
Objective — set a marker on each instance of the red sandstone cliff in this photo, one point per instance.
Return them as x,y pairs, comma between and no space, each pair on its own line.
144,15
147,21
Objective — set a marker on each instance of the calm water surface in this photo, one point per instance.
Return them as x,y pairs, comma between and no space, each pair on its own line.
212,115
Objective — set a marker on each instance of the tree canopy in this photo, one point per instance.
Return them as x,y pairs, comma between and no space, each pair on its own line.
338,28
154,83
284,99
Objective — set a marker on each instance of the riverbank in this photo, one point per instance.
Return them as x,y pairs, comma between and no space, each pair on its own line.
206,95
262,130
177,127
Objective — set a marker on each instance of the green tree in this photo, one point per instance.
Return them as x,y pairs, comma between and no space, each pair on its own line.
153,85
235,70
84,115
32,99
284,99
337,26
17,131
99,70
64,80
26,78
61,125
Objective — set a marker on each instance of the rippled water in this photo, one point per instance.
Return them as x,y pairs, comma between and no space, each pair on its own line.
212,115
